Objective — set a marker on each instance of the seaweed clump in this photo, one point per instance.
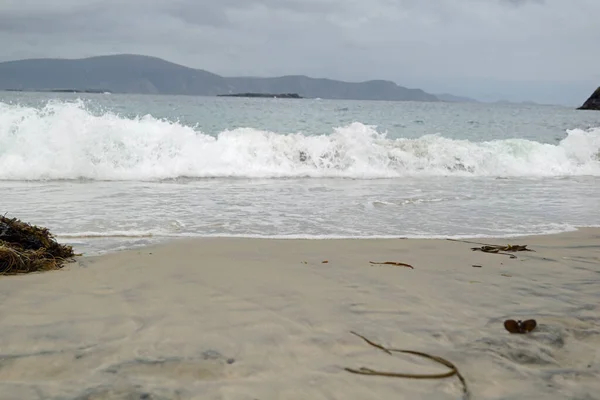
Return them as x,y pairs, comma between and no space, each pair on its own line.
26,248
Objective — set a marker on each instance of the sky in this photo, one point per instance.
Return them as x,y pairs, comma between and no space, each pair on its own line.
547,51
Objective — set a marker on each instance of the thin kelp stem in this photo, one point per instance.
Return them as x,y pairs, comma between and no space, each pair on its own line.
399,264
380,347
453,369
369,371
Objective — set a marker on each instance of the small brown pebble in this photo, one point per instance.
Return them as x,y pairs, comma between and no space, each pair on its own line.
324,262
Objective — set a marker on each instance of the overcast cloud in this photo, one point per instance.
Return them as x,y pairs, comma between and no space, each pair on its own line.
541,50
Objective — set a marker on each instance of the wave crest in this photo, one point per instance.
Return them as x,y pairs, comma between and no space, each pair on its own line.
66,141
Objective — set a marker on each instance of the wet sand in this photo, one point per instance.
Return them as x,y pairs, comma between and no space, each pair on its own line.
246,319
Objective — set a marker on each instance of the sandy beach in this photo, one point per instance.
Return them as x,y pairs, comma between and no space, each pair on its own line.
244,319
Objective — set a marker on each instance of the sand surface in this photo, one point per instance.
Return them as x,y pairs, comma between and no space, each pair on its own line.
246,319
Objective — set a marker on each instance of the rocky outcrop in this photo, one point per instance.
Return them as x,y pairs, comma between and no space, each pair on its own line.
593,103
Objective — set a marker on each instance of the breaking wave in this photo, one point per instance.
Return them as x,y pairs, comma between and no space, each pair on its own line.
66,141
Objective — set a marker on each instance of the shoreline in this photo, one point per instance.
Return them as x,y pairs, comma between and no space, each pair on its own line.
158,240
243,318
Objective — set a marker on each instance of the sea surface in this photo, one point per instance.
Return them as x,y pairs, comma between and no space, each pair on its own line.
107,172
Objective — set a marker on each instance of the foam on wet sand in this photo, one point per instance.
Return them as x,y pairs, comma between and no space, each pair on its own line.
267,319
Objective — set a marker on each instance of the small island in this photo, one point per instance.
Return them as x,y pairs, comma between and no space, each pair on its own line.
264,95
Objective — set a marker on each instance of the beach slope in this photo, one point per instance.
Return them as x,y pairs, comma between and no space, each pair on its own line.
245,319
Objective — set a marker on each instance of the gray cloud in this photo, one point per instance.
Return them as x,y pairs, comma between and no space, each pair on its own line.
544,50
518,3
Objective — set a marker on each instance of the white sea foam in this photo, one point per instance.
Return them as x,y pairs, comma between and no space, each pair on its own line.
66,141
158,234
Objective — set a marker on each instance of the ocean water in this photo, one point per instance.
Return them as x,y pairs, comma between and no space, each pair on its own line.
106,172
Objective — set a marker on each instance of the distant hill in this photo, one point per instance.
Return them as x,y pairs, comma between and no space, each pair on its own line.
329,89
128,73
119,73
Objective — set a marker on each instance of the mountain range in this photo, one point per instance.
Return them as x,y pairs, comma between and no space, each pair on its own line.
130,73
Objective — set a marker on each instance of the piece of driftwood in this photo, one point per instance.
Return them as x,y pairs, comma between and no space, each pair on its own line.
399,264
453,370
496,249
499,249
519,326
